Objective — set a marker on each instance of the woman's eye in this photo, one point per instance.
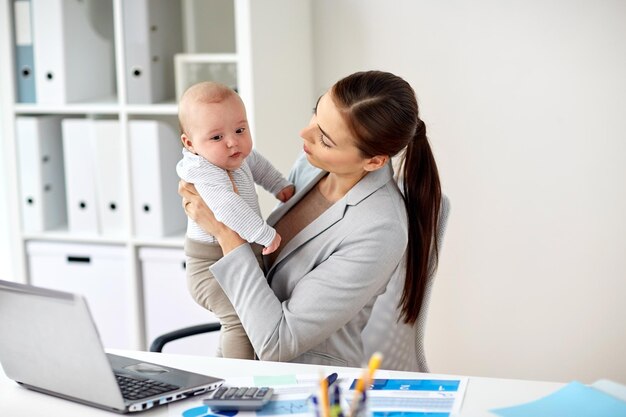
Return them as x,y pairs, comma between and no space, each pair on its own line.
240,130
322,142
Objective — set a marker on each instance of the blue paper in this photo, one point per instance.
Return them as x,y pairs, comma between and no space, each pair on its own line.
438,385
408,414
573,400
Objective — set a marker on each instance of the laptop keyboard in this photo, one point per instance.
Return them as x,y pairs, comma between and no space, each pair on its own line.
136,389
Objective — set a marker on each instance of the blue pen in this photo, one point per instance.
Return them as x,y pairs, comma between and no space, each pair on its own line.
335,408
316,407
331,378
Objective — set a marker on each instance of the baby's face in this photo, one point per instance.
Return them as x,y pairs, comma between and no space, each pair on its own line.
219,132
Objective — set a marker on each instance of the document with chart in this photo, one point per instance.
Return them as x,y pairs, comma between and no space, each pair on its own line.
415,397
437,395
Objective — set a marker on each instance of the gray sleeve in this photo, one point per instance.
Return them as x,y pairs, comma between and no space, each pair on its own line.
265,174
326,297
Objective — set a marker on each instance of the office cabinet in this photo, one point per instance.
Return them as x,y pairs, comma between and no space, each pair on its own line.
99,273
169,306
264,47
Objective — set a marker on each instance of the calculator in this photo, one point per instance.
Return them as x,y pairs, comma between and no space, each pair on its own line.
238,398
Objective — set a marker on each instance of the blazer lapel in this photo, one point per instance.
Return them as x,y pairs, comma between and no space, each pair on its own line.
317,226
370,183
285,207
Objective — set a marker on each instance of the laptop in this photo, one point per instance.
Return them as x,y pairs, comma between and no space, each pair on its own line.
49,343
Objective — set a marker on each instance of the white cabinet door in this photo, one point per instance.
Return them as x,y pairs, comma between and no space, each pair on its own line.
98,272
168,304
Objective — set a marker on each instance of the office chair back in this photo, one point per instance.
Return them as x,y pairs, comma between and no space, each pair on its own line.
402,345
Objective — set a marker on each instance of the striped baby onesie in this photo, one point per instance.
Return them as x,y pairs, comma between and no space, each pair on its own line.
239,212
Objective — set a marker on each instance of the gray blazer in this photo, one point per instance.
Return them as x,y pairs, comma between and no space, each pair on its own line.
318,295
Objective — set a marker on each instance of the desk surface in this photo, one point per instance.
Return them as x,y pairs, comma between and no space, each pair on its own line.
482,393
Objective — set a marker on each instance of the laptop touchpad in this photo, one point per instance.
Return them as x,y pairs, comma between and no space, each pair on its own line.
146,368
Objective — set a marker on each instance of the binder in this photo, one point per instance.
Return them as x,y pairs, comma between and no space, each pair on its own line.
79,152
24,61
41,173
154,151
110,177
73,50
152,35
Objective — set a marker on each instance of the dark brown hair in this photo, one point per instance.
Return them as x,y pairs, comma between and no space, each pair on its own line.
381,110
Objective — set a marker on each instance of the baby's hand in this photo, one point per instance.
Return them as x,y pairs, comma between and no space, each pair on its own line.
286,193
272,246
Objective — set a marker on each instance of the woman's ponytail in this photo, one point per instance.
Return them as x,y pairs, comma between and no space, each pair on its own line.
422,198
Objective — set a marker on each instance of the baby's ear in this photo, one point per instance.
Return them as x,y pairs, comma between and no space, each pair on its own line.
187,143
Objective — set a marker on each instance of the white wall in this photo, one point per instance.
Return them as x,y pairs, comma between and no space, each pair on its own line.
525,102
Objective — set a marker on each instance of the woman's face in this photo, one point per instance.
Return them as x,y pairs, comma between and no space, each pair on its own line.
328,143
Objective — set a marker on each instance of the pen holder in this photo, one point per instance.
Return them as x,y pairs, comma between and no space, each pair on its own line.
361,408
338,406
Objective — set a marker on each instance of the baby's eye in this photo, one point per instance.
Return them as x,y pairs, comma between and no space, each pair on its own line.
240,130
216,137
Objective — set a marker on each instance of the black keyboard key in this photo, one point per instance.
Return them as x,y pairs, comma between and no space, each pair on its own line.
135,388
230,392
220,392
261,392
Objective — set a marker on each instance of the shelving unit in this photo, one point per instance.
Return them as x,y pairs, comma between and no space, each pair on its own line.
272,44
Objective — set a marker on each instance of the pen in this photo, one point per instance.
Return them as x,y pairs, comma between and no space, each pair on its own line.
330,379
316,407
365,381
335,408
324,406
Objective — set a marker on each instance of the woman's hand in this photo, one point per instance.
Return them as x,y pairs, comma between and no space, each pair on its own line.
197,210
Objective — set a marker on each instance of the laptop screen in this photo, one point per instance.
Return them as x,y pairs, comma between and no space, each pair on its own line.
49,341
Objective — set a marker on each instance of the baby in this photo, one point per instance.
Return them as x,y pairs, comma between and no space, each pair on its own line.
219,160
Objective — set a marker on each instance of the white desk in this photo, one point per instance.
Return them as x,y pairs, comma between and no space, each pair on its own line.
482,393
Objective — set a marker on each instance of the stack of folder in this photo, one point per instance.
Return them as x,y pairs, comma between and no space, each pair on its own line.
73,172
24,56
42,177
64,51
152,35
94,176
154,151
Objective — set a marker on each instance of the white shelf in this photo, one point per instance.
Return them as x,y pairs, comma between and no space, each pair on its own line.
105,106
272,55
151,109
175,241
66,236
166,242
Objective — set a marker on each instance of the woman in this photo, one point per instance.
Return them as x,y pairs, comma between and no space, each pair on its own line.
346,232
